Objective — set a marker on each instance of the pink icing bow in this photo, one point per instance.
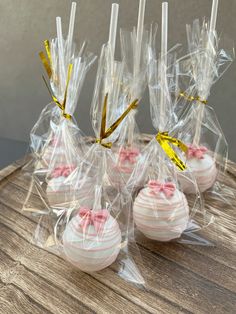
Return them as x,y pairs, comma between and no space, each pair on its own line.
196,152
128,154
158,187
62,171
89,217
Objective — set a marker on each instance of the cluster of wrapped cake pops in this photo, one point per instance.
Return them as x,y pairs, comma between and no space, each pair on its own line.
91,188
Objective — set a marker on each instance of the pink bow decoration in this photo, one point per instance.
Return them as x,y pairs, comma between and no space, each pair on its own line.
128,154
158,187
196,152
95,218
62,171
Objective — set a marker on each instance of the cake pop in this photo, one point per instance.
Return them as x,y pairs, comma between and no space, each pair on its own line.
91,240
203,167
161,211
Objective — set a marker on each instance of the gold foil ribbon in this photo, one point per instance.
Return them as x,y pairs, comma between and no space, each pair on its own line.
47,61
165,140
105,133
192,98
62,105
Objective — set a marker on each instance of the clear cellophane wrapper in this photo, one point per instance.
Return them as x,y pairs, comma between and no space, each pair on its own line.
93,229
199,127
128,145
96,231
57,144
161,210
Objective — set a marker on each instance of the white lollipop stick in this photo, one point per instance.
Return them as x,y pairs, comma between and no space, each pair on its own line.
112,42
164,41
71,29
134,91
61,54
214,11
113,27
141,12
210,45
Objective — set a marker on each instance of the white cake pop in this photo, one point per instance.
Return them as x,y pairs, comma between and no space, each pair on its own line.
127,158
59,191
92,240
161,211
65,187
203,167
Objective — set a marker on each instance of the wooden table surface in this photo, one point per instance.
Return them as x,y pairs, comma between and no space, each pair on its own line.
181,278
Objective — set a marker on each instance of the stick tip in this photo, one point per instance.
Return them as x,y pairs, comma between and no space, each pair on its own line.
73,6
142,1
115,5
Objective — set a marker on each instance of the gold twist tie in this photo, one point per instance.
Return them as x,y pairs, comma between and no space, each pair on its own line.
192,98
105,133
62,105
47,63
165,140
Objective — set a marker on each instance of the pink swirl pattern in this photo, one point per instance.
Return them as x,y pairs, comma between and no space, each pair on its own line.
88,250
158,217
203,166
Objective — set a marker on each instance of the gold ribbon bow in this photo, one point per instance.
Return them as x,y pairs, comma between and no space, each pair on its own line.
165,140
47,63
106,133
192,98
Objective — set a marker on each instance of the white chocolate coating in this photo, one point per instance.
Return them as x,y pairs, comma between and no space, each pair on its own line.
160,218
91,251
124,170
205,173
60,192
121,175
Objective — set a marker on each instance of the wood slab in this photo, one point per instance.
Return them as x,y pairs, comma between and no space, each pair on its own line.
180,278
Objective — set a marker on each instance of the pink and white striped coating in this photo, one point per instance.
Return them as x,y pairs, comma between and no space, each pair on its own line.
91,251
160,218
204,171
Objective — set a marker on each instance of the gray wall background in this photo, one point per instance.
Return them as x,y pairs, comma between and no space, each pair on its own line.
24,24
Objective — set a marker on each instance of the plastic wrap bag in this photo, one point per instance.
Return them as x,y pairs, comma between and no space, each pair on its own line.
199,126
161,210
56,142
128,145
110,78
95,230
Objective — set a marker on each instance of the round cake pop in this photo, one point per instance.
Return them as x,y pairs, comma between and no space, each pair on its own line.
161,211
126,161
203,167
58,191
91,240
